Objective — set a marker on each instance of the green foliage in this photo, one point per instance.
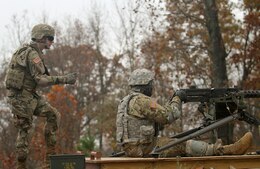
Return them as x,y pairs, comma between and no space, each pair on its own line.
86,144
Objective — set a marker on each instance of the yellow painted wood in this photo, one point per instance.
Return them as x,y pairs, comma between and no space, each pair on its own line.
209,162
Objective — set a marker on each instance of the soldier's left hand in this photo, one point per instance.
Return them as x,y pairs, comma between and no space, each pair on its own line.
71,78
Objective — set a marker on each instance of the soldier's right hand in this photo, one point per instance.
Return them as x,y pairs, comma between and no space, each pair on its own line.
71,78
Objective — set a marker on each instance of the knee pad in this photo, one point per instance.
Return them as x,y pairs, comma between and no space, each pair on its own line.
199,148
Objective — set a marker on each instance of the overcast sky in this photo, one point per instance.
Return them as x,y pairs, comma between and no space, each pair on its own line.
56,10
53,8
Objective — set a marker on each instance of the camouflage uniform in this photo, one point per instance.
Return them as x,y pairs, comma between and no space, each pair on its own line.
25,71
136,130
139,115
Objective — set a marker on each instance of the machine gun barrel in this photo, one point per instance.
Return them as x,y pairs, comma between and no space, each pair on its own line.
204,95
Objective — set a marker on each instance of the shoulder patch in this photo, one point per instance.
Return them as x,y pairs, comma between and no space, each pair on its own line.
37,60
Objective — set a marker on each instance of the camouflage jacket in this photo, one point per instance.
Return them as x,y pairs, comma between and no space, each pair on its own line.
137,117
26,68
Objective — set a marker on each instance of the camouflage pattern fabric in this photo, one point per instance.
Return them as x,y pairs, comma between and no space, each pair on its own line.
143,150
143,106
26,103
41,30
140,77
28,106
178,150
135,149
139,132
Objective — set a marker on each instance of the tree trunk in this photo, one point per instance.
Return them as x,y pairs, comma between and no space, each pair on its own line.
217,55
217,50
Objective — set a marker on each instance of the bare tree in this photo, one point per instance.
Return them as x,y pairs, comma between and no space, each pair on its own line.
19,30
128,35
217,51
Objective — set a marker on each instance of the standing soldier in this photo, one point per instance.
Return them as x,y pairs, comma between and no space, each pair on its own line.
138,117
26,72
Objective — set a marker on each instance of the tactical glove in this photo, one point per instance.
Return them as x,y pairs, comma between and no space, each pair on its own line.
70,78
181,94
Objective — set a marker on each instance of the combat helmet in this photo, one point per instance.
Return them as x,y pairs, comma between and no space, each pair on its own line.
41,30
140,77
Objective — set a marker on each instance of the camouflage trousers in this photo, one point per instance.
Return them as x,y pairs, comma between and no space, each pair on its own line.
24,105
143,150
178,150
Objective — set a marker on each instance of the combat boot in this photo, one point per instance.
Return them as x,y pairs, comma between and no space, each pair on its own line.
238,148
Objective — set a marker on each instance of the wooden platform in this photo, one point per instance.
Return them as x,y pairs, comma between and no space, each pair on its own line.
209,162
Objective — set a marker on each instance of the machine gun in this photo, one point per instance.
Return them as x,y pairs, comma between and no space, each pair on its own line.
232,98
218,94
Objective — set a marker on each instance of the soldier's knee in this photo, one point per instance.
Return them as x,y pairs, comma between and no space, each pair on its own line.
54,115
22,123
133,151
53,120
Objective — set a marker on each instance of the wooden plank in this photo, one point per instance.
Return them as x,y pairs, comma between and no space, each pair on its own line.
209,162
